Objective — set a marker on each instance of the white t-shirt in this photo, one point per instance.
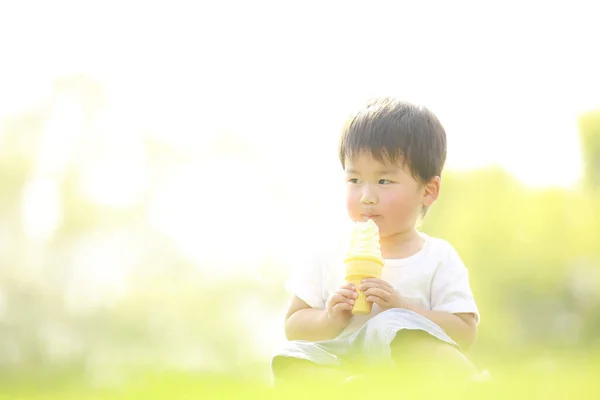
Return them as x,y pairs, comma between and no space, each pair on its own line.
434,278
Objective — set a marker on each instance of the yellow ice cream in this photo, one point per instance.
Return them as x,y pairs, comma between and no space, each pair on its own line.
364,243
363,260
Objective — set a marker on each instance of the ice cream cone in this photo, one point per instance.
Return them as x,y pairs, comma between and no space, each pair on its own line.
356,271
363,260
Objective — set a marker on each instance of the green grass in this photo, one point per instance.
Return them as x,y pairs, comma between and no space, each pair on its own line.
569,378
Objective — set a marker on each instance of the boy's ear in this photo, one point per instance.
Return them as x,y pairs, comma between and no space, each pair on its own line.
432,191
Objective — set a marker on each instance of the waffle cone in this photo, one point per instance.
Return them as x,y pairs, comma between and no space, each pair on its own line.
356,271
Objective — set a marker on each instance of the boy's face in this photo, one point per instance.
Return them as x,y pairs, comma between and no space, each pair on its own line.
385,192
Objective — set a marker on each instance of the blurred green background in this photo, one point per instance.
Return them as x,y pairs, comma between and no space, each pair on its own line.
96,294
155,184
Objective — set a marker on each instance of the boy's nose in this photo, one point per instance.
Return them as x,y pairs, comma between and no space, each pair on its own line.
368,197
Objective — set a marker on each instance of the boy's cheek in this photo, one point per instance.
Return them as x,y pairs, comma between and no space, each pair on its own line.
353,208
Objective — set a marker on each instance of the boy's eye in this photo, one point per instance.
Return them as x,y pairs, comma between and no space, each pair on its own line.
353,180
384,181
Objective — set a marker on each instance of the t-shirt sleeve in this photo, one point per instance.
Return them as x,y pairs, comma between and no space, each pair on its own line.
306,281
450,287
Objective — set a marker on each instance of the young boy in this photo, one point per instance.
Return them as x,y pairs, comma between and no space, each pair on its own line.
393,153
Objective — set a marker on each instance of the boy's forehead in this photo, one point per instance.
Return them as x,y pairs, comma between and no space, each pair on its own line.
367,160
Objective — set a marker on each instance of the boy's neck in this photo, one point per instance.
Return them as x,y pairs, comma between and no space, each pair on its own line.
401,245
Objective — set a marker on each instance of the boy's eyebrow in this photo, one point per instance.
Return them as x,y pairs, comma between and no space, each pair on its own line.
388,171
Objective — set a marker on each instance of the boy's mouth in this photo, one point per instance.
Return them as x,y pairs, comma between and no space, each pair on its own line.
370,216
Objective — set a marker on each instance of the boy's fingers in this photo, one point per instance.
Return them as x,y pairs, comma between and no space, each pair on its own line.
338,298
376,282
375,300
382,294
371,284
350,294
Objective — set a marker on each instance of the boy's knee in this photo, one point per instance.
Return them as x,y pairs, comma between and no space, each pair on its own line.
416,346
419,351
415,338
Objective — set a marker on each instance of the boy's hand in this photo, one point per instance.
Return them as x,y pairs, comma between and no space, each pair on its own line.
339,305
382,293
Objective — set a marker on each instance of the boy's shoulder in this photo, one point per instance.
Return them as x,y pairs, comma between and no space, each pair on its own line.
437,244
441,249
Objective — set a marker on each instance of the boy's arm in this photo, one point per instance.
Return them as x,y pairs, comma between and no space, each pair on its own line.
302,322
461,327
452,305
